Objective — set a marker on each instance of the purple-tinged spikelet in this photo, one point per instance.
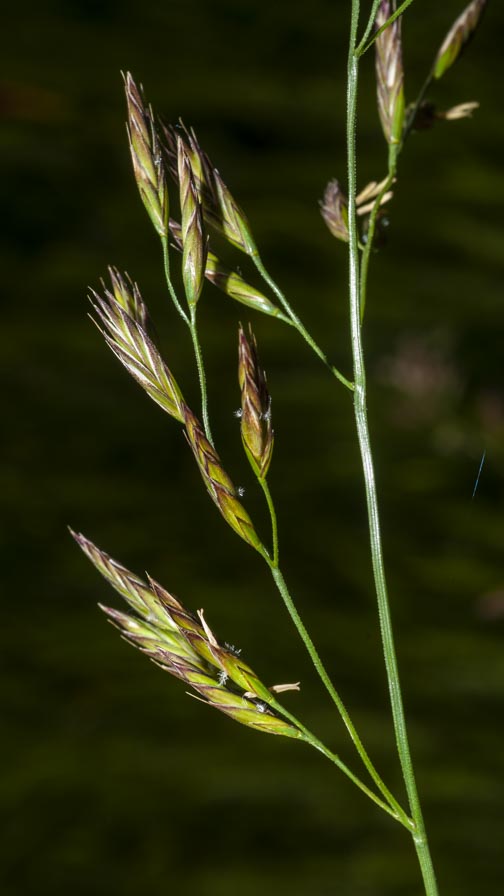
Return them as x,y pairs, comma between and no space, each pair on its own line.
146,157
256,429
389,74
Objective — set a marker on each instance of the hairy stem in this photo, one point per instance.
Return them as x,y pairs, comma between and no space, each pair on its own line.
419,834
171,290
201,374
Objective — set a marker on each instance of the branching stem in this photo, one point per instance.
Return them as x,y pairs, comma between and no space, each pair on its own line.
333,693
395,811
191,323
296,322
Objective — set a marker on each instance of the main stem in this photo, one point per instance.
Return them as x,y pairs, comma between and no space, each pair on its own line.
419,834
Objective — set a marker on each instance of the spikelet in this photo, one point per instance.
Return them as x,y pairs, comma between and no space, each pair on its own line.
218,484
182,643
334,210
256,429
220,209
123,315
194,243
458,37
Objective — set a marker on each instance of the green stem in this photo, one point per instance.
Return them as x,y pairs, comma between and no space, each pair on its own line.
297,323
317,662
191,323
397,813
362,47
419,835
273,517
324,677
171,290
201,374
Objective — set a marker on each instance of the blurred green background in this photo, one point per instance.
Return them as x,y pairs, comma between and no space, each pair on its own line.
113,781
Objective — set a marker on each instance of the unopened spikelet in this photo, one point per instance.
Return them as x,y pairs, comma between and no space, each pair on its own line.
458,37
183,644
256,429
128,339
231,282
218,484
334,210
194,243
220,209
146,157
389,74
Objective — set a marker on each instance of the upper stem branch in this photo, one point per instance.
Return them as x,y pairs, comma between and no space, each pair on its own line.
298,324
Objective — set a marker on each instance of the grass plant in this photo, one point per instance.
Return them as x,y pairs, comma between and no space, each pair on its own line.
177,639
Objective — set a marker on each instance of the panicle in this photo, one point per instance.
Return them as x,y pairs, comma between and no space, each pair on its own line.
389,74
255,421
458,37
182,643
218,484
127,337
146,157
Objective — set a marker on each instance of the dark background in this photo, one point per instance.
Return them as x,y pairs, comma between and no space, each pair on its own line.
114,782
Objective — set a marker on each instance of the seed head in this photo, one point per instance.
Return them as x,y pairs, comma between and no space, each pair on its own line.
183,644
146,156
122,314
389,74
256,429
458,37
